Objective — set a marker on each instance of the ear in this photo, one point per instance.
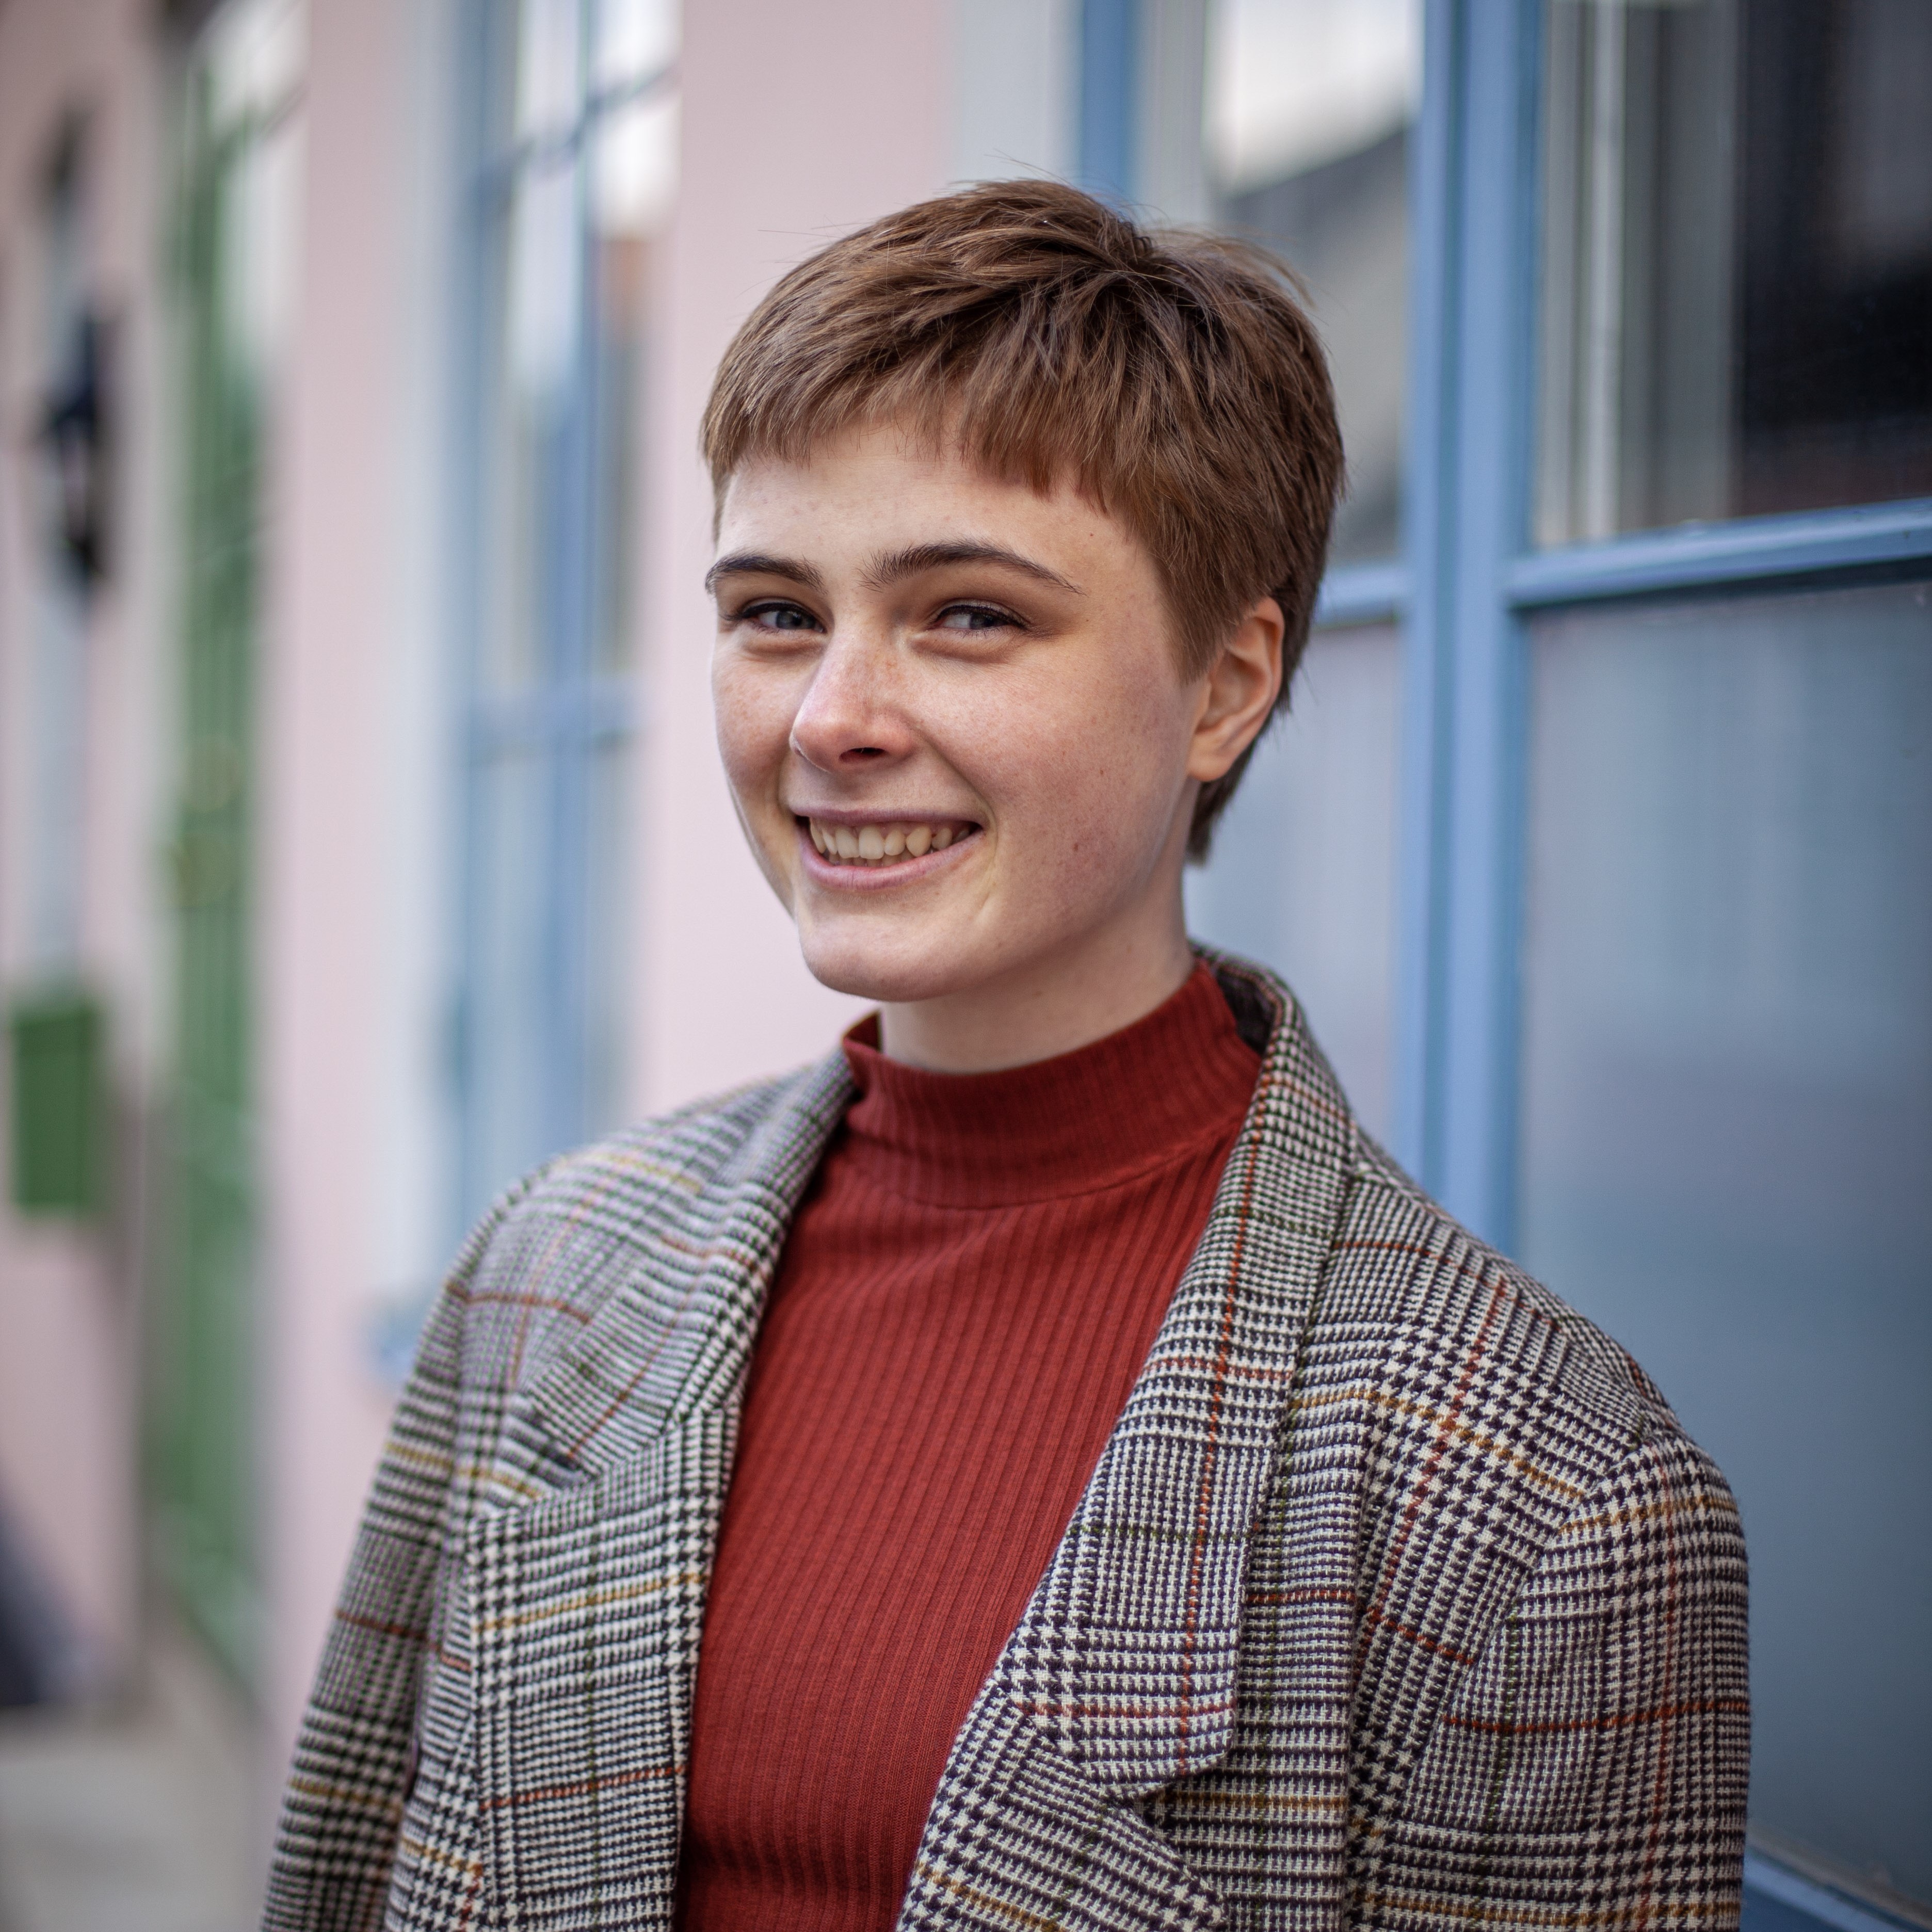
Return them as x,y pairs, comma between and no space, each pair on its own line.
1238,692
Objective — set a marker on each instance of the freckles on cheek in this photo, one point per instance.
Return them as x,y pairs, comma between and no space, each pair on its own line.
752,733
1081,831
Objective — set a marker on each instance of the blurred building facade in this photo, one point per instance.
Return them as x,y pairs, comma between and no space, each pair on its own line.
362,841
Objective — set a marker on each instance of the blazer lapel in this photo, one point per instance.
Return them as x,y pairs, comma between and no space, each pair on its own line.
1122,1676
585,1615
585,1605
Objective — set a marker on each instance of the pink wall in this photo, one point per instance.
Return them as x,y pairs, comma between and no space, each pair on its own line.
69,1308
327,672
798,122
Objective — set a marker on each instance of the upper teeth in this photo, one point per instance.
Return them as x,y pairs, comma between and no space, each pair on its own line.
874,845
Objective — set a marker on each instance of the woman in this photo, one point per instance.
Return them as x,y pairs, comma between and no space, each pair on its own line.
1043,1465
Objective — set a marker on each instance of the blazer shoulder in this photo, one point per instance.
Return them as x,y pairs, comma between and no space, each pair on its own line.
1473,1432
1428,1303
538,1269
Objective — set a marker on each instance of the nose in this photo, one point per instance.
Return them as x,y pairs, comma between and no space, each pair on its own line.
851,718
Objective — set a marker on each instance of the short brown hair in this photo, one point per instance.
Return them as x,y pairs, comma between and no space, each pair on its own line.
1173,376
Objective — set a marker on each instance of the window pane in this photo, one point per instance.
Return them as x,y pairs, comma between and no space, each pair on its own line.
549,84
1309,103
634,174
609,988
574,189
634,39
1727,1127
532,427
1303,873
516,992
1737,260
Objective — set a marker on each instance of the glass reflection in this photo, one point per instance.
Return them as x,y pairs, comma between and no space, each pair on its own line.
635,39
1726,1126
533,430
634,174
1308,110
1737,260
548,44
515,972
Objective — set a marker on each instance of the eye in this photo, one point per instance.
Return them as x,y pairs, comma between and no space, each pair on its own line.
976,617
778,617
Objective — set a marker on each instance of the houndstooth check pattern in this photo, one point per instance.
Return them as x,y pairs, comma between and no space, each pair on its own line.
1398,1598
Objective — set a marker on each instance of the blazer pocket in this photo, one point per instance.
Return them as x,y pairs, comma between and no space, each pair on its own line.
585,1614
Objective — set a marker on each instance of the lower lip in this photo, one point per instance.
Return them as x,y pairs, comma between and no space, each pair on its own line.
859,878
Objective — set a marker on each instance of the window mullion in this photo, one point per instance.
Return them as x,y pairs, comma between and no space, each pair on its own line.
1434,204
1462,818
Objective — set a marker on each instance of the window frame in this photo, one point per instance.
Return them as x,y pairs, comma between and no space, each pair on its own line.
1467,586
1470,579
571,711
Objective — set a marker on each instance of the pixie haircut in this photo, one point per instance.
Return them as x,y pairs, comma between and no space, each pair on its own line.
1171,377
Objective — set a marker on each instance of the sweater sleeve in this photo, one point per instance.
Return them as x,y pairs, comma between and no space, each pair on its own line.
350,1774
1591,1768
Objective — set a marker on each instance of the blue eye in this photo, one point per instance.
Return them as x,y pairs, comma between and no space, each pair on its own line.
974,617
781,617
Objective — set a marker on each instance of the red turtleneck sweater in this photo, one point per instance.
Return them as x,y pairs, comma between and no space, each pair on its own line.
967,1295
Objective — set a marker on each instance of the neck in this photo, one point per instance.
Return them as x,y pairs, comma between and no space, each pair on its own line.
1105,981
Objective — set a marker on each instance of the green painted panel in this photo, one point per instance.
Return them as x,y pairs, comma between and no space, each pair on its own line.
201,1435
58,1104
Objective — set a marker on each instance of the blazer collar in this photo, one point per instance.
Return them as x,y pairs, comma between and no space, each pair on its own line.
651,1359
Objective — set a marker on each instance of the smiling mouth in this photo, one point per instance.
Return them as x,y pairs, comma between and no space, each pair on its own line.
889,842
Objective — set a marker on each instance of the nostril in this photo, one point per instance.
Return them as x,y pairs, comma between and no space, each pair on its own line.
866,751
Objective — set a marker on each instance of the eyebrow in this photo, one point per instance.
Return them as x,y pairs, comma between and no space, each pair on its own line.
892,568
756,563
897,565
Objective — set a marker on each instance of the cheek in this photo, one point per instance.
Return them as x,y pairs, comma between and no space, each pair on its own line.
1091,782
754,725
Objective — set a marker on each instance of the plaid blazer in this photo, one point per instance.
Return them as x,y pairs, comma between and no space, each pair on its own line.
1398,1597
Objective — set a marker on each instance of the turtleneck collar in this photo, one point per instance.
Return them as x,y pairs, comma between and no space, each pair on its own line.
1091,1119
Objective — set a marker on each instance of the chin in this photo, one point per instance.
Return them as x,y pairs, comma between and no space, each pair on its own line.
869,968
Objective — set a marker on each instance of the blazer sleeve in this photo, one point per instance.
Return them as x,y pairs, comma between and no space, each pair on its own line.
1591,1767
353,1760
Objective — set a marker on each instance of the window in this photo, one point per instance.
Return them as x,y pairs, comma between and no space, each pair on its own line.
1609,773
1737,248
1717,914
1727,1132
1309,103
1306,119
578,147
1665,925
1302,874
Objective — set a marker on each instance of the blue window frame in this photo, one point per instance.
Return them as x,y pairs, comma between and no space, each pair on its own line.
571,142
1494,1083
1475,582
1663,902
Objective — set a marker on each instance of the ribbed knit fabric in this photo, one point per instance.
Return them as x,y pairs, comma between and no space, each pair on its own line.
966,1298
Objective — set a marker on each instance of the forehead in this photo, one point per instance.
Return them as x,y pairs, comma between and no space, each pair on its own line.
883,488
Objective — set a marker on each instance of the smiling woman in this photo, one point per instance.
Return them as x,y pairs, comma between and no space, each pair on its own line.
906,642
1102,1490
